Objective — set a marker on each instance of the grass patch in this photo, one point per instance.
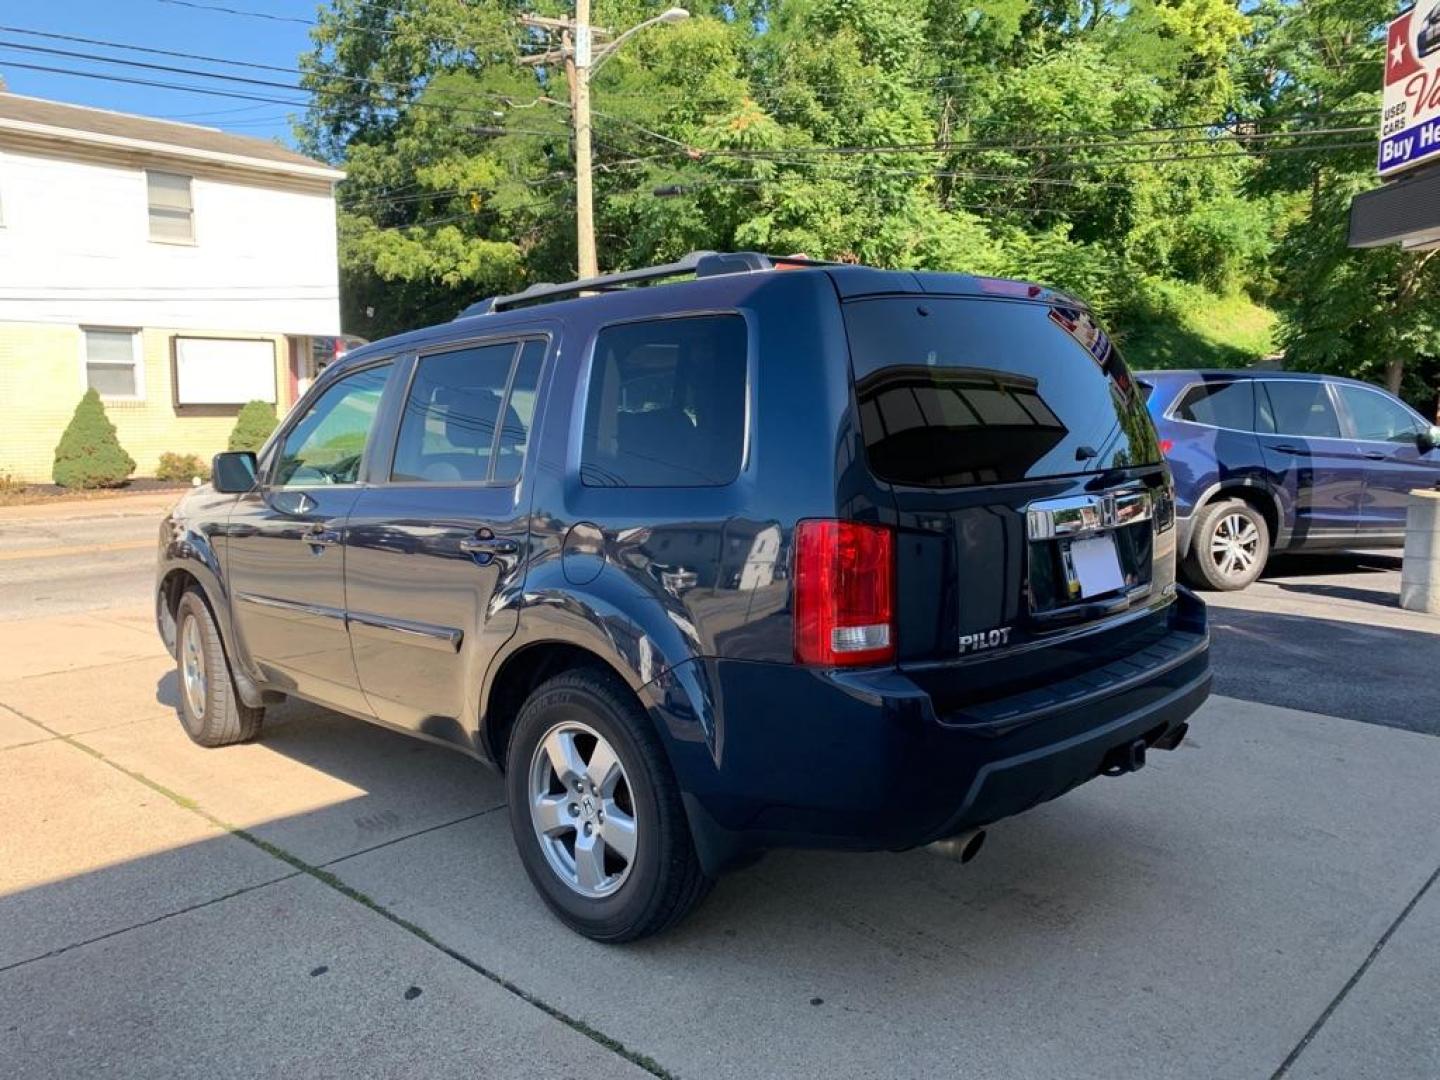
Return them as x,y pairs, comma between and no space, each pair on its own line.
1177,325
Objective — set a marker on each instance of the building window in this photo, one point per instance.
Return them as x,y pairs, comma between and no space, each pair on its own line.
112,363
172,213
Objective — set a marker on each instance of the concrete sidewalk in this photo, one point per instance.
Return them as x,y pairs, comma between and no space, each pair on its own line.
340,900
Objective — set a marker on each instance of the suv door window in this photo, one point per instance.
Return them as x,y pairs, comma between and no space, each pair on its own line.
1220,404
1298,407
666,404
326,445
452,430
1378,418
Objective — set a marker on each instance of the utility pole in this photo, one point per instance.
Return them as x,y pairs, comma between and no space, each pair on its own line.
579,64
581,60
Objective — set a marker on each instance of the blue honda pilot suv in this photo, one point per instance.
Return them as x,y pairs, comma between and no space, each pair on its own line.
1268,461
728,554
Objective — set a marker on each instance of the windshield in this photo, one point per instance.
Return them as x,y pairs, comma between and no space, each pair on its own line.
959,391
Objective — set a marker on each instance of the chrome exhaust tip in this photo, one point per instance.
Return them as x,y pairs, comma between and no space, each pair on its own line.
960,848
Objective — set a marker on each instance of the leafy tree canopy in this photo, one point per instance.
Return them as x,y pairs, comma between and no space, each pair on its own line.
1149,156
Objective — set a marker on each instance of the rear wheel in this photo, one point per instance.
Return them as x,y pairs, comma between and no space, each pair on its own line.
210,708
1230,546
596,812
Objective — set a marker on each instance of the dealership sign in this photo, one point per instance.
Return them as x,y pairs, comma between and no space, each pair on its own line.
1410,124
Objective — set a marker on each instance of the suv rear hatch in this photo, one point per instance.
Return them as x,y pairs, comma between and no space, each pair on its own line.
1034,510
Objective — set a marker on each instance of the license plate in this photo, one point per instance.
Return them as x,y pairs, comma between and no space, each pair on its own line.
1096,565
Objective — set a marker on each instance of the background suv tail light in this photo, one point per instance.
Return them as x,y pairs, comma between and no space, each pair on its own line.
844,594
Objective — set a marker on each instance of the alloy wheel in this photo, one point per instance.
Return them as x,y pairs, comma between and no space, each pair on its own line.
583,810
1235,545
192,667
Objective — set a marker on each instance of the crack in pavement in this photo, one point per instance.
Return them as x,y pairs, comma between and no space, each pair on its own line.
411,836
1353,981
149,922
325,877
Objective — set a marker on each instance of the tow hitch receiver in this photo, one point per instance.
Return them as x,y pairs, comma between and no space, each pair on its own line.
1125,759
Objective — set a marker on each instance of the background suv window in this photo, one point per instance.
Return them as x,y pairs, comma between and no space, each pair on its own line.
666,404
1298,407
1378,418
326,445
456,401
1220,404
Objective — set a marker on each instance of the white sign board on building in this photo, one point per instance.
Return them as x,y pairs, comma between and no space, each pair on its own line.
1410,122
223,371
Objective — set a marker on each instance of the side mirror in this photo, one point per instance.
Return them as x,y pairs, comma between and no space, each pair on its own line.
233,472
1430,439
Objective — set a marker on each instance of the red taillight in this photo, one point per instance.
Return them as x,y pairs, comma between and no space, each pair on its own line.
1166,445
844,594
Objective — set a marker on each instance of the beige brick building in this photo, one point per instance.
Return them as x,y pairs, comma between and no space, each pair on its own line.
179,270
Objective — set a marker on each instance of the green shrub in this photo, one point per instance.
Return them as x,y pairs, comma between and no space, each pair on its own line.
89,454
182,467
253,426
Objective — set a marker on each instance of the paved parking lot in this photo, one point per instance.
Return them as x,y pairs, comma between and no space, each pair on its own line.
339,900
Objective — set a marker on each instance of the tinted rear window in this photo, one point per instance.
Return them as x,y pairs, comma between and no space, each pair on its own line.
1220,404
954,392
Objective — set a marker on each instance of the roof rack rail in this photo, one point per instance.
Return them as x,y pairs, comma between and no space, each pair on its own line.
699,263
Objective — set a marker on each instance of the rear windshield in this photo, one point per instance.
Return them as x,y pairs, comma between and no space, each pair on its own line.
955,392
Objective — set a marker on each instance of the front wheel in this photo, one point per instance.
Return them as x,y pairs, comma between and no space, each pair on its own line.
1230,546
596,811
210,708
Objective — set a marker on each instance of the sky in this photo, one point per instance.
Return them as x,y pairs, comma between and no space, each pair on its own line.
160,24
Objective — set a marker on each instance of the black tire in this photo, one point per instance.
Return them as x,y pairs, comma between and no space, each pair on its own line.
1225,569
224,718
664,880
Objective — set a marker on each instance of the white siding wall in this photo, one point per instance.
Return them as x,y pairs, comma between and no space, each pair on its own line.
75,248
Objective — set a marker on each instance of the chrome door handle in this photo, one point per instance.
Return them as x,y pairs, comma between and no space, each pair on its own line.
320,536
488,545
1373,455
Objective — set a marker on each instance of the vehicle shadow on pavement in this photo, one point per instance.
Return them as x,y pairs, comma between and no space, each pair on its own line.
1377,674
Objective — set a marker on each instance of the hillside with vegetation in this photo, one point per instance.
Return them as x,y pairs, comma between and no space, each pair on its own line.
1185,165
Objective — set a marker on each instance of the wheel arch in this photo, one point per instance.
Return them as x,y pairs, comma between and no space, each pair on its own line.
1260,495
189,565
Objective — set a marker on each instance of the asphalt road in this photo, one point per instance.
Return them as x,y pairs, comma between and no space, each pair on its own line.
81,564
1326,634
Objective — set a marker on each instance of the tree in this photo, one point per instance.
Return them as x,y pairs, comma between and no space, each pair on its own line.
1372,313
253,426
89,454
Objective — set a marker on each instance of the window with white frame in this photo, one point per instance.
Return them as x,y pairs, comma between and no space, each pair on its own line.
112,363
172,211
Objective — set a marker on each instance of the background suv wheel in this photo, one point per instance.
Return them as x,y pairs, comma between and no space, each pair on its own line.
596,812
1230,546
210,708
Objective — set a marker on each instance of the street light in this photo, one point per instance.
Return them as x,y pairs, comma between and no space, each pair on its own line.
665,18
580,64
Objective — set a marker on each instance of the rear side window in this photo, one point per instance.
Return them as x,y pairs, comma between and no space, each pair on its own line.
465,420
1299,407
1221,404
666,404
955,392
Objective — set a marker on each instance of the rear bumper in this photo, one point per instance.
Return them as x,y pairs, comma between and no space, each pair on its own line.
771,755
